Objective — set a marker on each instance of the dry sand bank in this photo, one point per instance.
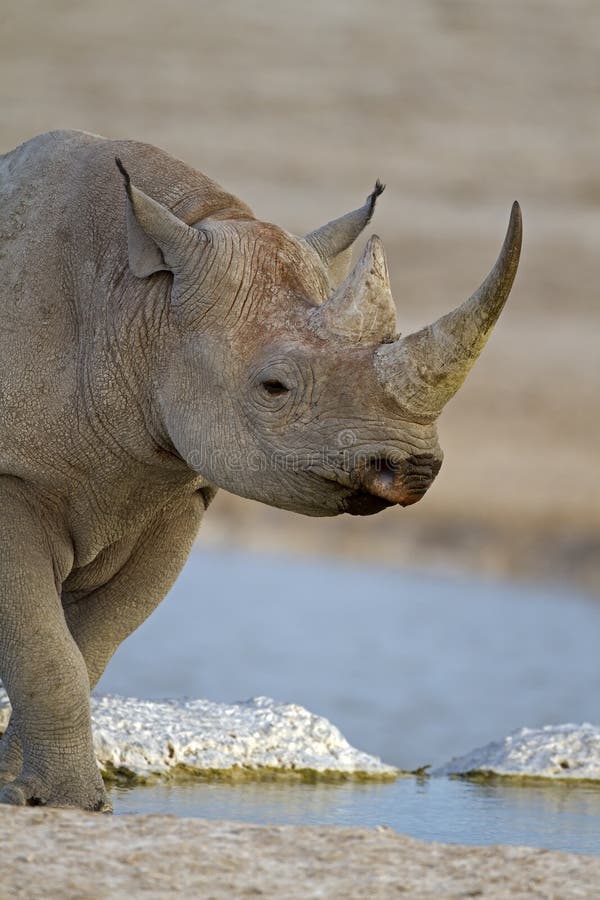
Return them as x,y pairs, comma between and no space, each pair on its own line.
50,853
460,107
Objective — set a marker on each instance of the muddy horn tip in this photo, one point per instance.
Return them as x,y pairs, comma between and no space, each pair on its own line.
516,218
514,234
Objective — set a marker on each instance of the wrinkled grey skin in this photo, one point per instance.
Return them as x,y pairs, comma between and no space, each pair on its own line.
158,342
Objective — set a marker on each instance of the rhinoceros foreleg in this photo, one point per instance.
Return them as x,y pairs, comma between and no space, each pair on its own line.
101,620
11,753
41,667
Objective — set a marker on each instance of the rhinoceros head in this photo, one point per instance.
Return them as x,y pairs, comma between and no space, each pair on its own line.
283,377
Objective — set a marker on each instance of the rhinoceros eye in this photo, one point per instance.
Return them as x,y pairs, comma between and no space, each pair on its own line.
274,388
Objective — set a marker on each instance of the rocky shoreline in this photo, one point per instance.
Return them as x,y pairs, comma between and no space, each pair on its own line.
260,739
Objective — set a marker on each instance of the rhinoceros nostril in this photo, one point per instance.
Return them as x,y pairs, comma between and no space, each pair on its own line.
385,470
400,481
380,476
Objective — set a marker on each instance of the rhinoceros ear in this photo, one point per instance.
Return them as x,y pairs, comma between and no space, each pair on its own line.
333,242
157,240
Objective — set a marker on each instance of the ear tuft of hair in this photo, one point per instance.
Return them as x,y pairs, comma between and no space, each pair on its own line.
379,188
125,175
372,198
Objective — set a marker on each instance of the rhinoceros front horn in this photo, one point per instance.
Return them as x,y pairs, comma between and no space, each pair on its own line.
424,370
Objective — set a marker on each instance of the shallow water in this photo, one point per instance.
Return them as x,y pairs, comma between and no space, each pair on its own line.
556,816
410,667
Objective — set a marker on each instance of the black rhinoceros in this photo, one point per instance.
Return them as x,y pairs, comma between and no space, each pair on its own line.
157,342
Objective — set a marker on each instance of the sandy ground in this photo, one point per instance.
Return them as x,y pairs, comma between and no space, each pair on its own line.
461,107
49,853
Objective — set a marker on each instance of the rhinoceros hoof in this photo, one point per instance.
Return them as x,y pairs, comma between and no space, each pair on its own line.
11,764
11,758
6,776
32,792
13,794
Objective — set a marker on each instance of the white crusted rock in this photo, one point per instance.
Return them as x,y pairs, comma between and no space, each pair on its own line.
554,751
153,738
143,738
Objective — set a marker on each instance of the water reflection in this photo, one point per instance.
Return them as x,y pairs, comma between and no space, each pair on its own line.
555,816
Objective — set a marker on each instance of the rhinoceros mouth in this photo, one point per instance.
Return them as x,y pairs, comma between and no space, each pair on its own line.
357,501
362,503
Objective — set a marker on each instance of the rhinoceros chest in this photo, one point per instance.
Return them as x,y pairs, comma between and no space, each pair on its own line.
108,532
101,569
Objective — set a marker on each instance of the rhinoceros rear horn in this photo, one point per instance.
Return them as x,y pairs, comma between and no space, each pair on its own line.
333,242
156,239
362,309
424,370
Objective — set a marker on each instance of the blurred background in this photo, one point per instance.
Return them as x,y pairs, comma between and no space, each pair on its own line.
460,107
